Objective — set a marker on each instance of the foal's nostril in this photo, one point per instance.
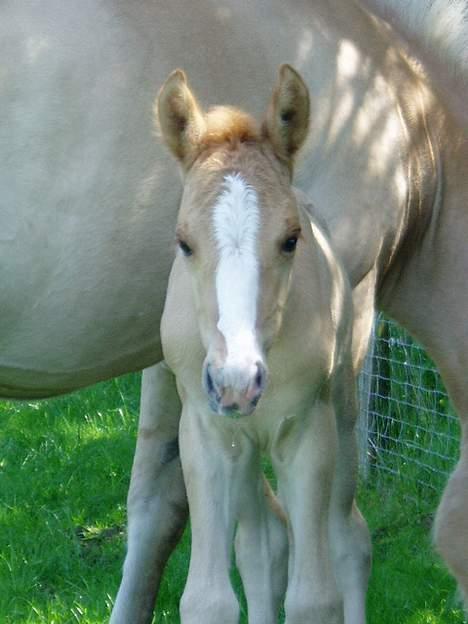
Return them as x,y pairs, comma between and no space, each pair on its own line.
260,377
209,381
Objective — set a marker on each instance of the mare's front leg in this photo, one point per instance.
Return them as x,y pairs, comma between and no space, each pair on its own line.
157,505
211,458
304,458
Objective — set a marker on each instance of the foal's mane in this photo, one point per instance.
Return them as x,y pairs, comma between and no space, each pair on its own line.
226,125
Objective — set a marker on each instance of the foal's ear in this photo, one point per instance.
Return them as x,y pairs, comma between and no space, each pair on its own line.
179,118
287,119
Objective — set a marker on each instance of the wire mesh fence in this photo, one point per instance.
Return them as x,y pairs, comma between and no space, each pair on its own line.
407,427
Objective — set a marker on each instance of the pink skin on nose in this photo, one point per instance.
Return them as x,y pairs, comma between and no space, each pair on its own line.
231,390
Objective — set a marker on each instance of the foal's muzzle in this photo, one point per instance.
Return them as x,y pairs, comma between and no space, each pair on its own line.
234,392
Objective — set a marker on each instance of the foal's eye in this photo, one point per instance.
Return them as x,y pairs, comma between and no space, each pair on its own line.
185,249
289,245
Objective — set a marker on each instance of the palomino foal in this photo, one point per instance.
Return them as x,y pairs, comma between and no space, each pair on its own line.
257,329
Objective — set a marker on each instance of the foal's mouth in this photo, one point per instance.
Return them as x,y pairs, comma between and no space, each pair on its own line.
232,411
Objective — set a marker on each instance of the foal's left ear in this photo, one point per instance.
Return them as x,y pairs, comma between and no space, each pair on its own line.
287,119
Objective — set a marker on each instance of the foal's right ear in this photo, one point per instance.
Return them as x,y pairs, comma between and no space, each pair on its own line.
179,118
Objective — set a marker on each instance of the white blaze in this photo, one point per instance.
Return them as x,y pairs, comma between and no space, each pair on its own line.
236,224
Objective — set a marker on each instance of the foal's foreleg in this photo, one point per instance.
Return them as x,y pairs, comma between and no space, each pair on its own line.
262,550
157,507
351,550
213,489
305,462
349,536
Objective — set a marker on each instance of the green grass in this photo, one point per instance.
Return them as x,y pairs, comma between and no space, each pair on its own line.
64,473
409,583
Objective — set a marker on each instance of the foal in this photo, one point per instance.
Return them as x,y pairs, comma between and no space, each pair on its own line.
257,329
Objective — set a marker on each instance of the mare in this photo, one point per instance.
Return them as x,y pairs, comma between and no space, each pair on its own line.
89,201
257,328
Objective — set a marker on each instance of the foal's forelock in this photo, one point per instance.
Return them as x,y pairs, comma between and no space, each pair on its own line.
236,219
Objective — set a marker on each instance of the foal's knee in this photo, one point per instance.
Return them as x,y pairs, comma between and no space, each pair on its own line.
314,601
209,607
352,550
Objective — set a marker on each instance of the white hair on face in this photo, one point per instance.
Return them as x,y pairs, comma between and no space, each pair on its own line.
236,223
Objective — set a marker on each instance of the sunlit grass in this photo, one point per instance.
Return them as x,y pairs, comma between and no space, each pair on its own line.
64,473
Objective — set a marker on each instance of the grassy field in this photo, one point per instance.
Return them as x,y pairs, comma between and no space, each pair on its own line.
64,472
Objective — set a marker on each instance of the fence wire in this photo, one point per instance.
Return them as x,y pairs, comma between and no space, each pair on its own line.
407,426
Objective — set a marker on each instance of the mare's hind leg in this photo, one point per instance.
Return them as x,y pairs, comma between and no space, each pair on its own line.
262,551
450,353
451,524
431,301
157,505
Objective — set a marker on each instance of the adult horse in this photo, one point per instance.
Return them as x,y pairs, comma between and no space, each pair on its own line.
89,200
